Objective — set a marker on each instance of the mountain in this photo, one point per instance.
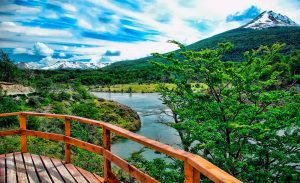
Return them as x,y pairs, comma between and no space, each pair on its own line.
266,29
28,65
23,65
269,19
68,65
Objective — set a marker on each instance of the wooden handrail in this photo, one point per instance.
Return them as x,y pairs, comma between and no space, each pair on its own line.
194,165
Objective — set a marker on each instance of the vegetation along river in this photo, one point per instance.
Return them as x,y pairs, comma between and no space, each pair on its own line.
149,107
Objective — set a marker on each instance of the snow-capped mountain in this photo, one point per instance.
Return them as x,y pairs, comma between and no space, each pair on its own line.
28,65
269,19
74,65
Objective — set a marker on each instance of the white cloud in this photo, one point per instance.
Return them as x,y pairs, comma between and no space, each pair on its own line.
69,7
13,8
47,61
32,31
42,49
23,50
9,24
51,15
62,54
84,24
65,48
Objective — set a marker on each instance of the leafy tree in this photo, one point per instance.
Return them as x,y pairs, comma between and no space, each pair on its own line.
8,104
158,168
247,121
8,71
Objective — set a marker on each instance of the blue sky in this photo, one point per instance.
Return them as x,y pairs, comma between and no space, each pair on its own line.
44,32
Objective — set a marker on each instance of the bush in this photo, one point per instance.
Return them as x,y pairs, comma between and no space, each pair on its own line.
8,104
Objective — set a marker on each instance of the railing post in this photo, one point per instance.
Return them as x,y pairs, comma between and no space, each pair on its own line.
67,146
106,145
22,119
191,174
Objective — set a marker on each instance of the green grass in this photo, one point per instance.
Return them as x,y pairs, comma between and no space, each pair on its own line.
141,88
127,88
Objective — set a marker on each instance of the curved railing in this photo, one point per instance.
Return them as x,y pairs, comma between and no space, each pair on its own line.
194,165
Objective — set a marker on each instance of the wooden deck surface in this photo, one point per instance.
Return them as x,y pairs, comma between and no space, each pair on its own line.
25,167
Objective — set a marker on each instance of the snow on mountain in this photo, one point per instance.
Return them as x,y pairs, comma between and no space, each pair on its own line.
74,65
28,65
269,19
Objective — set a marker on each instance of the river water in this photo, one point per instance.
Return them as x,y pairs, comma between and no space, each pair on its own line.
149,107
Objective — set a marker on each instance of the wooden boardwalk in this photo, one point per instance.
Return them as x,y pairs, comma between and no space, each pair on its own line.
25,167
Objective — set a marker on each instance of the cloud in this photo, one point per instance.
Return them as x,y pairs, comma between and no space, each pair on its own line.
246,15
48,61
69,7
21,10
62,54
42,49
109,53
12,27
84,24
23,51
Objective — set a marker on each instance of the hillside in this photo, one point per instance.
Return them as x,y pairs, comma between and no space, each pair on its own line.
242,38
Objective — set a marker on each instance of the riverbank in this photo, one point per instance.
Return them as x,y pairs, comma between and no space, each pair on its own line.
139,88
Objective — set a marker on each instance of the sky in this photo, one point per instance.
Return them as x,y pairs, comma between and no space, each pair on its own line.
43,32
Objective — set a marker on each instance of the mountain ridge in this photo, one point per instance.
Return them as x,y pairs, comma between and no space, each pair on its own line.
269,19
266,29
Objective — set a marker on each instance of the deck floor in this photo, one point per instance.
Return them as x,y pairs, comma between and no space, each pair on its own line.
25,167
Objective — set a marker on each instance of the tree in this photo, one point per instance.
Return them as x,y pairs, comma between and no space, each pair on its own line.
8,71
247,120
8,104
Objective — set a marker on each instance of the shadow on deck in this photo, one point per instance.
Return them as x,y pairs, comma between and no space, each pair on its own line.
25,167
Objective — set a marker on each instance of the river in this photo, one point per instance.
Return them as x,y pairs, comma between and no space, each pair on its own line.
149,107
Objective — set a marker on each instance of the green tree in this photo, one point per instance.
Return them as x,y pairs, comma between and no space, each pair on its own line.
247,121
7,105
8,71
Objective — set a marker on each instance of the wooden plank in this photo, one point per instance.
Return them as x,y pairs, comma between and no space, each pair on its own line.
196,175
188,173
11,173
124,165
22,120
62,138
210,170
158,146
67,177
40,168
84,145
106,146
9,114
55,176
31,173
67,146
21,170
43,114
99,178
2,168
75,173
88,175
9,132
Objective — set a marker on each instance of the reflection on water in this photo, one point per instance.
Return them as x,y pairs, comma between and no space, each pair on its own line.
152,113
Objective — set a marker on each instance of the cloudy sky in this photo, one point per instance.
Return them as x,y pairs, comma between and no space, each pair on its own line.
44,31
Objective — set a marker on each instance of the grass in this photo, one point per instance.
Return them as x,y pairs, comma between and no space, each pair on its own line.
141,88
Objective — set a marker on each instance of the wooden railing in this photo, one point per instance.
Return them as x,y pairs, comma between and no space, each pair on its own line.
194,165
